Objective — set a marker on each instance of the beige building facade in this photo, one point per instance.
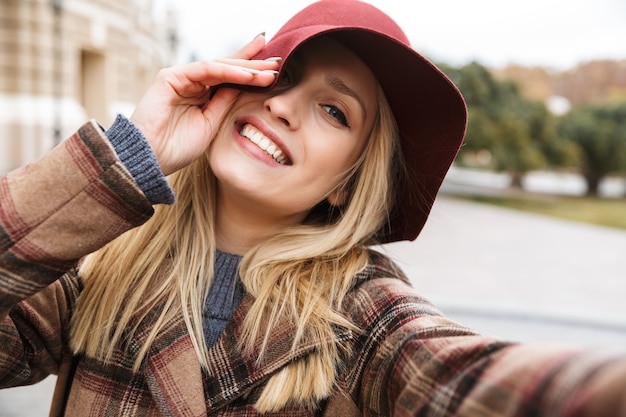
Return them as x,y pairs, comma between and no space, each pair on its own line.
65,61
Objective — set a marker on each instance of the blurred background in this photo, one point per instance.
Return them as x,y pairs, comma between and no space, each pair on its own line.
527,239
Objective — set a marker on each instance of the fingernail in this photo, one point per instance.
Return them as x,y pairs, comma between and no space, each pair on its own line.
274,59
250,70
256,71
260,34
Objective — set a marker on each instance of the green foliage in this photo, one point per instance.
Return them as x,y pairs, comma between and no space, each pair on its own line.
510,134
558,151
600,133
518,135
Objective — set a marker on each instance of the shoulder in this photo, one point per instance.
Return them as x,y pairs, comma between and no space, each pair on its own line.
389,315
383,291
380,266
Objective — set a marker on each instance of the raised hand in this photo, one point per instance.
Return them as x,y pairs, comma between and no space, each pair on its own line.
172,113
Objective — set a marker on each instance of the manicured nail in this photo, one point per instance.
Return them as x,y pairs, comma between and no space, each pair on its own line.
260,34
256,71
250,70
274,59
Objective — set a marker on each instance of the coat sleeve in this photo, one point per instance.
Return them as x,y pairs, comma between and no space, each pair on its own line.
414,361
72,201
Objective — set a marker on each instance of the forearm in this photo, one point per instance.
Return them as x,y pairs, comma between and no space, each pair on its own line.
432,371
72,201
415,361
605,392
53,212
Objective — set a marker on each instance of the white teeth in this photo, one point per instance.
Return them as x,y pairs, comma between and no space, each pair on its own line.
264,143
256,137
279,157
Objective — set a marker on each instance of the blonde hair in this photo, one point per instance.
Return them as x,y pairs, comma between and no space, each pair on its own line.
301,274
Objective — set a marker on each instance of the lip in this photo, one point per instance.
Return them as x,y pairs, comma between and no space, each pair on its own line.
253,149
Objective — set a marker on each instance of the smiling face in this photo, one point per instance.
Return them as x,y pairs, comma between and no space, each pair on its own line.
279,153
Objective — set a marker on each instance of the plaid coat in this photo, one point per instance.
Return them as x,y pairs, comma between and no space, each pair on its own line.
409,360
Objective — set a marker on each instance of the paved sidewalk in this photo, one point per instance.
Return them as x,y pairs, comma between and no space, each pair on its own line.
517,275
521,276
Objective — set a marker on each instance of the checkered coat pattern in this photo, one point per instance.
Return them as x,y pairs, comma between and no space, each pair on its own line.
409,360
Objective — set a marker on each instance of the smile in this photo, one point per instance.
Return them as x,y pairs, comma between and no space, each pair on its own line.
263,142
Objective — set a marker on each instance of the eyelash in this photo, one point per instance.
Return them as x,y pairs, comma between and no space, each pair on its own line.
337,114
285,78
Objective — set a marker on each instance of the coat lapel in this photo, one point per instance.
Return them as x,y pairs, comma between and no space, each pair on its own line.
232,375
181,388
173,374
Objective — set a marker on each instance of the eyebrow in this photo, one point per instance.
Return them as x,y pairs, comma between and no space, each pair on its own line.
338,85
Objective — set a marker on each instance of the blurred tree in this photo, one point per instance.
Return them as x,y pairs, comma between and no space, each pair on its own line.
516,135
514,152
543,126
600,133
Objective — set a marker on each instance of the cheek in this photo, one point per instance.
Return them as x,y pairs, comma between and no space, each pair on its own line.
341,156
220,153
333,165
215,148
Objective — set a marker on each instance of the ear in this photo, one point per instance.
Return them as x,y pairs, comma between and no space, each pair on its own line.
338,197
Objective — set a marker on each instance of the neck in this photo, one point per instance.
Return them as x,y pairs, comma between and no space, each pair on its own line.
241,225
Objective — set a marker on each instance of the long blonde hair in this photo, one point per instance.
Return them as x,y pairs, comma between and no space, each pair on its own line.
301,274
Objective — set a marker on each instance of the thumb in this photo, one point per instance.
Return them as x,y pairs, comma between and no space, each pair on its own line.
216,108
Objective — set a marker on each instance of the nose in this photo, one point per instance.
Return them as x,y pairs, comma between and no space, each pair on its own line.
284,107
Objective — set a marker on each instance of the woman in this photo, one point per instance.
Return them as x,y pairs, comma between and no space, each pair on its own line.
256,292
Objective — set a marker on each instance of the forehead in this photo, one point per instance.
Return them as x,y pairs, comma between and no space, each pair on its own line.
330,52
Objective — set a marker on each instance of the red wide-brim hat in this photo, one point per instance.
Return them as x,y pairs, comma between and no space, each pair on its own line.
429,110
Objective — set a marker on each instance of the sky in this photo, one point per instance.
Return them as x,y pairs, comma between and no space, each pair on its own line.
557,34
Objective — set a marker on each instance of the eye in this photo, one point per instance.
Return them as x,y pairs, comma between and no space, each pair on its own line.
286,77
336,114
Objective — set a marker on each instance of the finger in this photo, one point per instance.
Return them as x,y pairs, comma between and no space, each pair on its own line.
214,73
177,79
189,83
272,63
251,48
215,110
221,100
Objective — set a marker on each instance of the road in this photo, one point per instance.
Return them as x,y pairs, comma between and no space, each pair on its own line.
521,276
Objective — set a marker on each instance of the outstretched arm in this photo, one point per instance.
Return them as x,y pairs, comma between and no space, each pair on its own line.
414,361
